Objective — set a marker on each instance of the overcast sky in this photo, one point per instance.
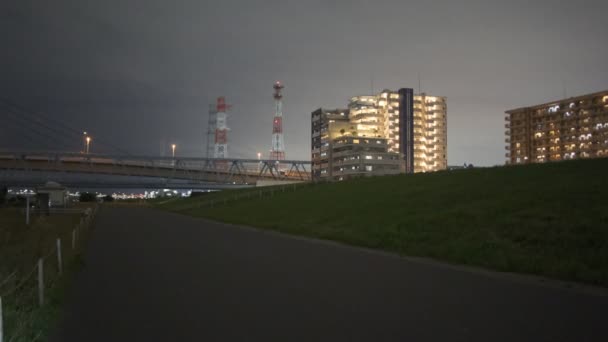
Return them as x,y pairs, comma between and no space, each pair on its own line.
142,73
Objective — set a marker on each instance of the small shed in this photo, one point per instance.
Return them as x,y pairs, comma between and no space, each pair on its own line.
54,193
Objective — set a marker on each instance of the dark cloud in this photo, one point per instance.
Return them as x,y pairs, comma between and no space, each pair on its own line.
141,72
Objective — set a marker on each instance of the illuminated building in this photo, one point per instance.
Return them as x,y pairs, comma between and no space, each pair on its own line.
392,132
571,128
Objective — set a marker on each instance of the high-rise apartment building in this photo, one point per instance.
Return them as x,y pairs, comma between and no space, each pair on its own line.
391,132
571,128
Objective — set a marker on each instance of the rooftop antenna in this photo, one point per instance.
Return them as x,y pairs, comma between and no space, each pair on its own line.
371,79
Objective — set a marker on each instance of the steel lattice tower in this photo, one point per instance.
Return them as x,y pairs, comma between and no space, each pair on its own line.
277,152
220,149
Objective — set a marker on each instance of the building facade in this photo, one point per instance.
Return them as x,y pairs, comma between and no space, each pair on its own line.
572,128
391,132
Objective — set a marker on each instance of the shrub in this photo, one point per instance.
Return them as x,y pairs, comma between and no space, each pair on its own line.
88,197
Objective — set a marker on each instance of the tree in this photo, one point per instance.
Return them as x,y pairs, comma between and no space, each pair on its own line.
108,198
342,131
88,197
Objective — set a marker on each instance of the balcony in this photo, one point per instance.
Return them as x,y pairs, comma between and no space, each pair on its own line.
508,148
508,118
507,126
508,140
508,155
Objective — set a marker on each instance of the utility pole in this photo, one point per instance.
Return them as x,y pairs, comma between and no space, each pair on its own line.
27,210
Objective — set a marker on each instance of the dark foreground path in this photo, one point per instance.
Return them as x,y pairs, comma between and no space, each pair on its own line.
155,276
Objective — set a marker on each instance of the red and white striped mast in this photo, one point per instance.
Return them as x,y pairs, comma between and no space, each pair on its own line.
221,129
277,152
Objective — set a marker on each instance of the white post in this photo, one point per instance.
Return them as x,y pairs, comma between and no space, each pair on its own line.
73,238
40,282
59,261
27,210
1,331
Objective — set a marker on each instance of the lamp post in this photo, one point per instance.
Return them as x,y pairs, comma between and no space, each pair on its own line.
173,146
84,141
259,160
88,143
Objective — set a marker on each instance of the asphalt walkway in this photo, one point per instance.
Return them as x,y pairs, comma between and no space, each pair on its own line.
156,276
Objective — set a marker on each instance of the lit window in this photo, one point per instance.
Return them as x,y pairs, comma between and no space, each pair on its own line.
368,168
355,141
368,157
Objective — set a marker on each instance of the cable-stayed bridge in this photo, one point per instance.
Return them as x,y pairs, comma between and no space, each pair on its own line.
117,168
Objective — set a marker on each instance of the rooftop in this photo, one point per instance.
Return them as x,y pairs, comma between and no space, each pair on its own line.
552,103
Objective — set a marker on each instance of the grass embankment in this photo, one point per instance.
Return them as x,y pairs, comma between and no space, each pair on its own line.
20,248
549,219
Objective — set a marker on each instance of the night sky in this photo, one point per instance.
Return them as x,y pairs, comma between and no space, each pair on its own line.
140,74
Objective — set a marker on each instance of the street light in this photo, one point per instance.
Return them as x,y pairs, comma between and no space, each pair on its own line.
259,161
173,146
88,143
84,140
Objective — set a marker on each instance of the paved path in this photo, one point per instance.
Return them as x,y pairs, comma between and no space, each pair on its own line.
155,276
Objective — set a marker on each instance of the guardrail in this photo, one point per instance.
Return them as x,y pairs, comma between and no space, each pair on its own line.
56,211
47,271
267,192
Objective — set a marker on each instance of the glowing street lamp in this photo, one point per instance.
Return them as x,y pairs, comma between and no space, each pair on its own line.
173,146
88,143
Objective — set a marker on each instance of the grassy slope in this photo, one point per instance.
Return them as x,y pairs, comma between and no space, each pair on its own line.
20,247
549,219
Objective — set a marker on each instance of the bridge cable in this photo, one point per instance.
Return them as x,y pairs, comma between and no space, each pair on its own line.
63,126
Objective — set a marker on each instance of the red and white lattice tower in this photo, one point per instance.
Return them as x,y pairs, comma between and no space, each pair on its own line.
220,149
277,152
